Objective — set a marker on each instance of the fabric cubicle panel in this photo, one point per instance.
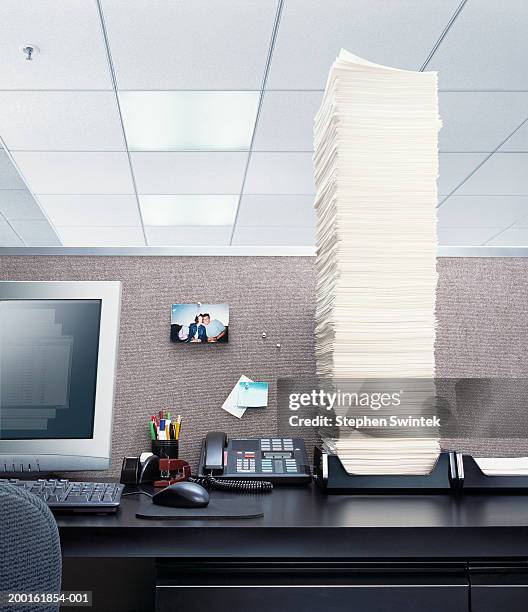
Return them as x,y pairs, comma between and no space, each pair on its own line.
482,311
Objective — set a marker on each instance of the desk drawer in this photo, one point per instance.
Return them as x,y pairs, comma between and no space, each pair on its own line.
494,589
375,598
325,588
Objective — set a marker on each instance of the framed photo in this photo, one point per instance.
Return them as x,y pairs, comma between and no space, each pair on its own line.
200,323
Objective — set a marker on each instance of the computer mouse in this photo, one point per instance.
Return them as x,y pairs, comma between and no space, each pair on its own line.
182,495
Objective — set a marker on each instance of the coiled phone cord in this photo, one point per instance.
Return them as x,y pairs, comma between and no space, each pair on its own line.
235,486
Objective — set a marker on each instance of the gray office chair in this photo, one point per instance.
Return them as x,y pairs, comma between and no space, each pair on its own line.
30,553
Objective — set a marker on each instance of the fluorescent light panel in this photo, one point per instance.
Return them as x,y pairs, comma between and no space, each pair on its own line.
188,209
189,120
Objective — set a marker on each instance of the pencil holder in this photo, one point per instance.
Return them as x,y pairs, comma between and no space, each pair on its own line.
165,449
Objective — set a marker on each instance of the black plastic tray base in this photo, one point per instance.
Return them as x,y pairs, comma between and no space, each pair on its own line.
474,480
331,476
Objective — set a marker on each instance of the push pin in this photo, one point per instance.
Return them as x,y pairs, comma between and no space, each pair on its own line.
278,345
264,335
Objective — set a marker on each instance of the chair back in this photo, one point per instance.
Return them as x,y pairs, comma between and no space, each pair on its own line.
30,554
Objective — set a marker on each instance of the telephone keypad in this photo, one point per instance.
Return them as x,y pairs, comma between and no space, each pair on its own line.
245,462
279,460
276,456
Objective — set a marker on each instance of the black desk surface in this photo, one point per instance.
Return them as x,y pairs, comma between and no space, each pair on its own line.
304,522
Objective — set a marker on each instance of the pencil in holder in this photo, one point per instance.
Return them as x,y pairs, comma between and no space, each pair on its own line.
165,449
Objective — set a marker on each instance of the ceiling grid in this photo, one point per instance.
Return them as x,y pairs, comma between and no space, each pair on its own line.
189,124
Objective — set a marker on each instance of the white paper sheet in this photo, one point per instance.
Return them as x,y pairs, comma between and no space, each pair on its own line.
231,403
504,466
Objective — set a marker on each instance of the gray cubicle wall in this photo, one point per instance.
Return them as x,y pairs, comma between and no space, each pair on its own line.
482,310
271,294
482,330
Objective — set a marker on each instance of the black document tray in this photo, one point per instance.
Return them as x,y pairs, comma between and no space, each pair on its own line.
332,477
474,480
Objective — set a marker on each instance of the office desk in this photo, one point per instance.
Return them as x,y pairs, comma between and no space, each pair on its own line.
434,545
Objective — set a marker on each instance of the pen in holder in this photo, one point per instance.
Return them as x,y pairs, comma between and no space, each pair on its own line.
165,449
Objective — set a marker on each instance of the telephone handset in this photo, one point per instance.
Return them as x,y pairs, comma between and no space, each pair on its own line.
215,442
276,460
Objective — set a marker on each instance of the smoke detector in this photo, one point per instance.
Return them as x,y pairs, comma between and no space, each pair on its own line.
29,51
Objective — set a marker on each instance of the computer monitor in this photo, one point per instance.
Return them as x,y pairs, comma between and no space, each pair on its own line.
58,352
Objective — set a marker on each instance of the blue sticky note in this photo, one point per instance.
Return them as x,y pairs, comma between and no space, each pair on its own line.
253,394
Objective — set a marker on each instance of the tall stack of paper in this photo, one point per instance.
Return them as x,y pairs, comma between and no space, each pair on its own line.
362,454
376,165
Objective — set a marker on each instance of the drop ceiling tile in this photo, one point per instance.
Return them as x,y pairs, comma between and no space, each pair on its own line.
479,120
76,173
454,168
482,211
19,204
36,232
92,210
502,174
522,222
280,173
276,211
189,210
101,236
60,121
8,237
312,32
514,236
274,236
465,236
189,44
9,177
189,120
189,173
519,141
197,236
472,121
69,36
486,47
286,121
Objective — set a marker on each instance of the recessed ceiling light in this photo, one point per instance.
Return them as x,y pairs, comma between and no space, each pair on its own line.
189,120
188,209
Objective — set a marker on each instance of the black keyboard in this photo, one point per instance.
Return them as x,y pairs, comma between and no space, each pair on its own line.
63,495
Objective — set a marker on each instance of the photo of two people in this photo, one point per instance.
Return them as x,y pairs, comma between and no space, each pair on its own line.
200,323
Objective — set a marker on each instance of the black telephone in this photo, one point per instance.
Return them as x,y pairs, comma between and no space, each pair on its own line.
276,460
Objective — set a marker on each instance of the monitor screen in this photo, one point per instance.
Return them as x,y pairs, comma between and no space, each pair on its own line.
48,368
